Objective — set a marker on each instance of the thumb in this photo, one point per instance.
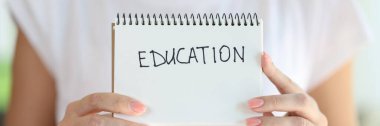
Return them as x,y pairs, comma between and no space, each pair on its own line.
282,82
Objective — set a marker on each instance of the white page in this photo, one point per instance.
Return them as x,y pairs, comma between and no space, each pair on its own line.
197,93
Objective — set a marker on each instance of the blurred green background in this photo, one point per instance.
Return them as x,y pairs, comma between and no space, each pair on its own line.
5,84
4,87
367,70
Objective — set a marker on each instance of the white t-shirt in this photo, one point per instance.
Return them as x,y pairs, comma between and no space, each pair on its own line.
307,39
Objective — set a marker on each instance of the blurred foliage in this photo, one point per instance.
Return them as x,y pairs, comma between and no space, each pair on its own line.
5,77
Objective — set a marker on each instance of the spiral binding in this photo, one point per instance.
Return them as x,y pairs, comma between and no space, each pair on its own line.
229,19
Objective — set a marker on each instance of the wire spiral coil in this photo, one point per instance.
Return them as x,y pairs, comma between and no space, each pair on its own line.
230,19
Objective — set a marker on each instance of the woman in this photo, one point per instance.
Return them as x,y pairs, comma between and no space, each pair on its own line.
62,60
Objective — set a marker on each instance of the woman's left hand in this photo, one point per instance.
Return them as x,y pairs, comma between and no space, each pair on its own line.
302,109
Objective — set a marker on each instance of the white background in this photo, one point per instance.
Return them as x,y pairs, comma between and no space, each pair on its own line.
367,69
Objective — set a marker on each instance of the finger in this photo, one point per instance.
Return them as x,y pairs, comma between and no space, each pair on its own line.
109,102
98,120
300,103
280,80
278,121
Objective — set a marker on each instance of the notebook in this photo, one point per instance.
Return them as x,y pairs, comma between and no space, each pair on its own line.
188,69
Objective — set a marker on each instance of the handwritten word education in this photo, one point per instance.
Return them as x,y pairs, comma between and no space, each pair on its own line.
199,54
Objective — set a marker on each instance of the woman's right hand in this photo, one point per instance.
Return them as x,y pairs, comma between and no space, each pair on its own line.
84,112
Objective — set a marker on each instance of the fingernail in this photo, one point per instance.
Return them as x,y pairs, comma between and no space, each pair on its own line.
137,107
267,58
253,122
264,59
255,103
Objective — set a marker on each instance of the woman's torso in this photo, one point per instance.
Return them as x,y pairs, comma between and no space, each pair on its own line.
75,37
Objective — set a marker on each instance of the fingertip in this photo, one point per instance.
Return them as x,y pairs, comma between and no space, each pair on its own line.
138,107
265,59
255,103
266,62
262,59
254,121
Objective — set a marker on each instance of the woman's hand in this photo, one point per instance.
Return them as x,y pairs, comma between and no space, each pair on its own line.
302,109
84,112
